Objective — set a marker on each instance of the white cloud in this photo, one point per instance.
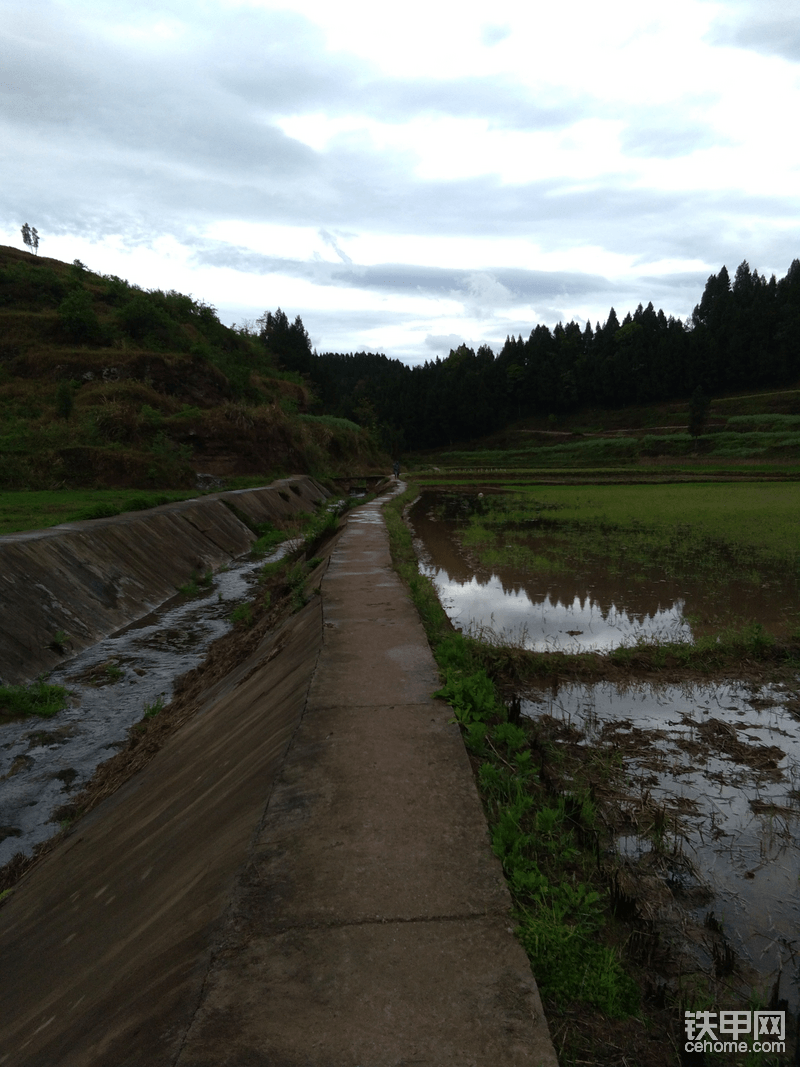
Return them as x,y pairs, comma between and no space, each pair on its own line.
485,293
478,174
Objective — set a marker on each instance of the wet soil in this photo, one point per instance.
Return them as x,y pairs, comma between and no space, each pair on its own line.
698,786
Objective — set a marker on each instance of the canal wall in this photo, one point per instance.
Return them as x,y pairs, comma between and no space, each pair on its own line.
67,587
302,874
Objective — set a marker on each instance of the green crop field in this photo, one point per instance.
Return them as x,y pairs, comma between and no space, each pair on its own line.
760,515
35,510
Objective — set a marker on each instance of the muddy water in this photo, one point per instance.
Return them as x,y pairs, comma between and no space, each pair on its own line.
43,761
724,761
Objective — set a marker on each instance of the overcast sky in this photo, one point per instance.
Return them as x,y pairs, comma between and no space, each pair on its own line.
406,177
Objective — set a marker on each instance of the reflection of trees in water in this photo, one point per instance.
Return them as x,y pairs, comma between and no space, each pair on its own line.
606,582
602,594
605,597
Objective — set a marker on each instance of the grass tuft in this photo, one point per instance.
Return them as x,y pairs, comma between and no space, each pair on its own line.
37,698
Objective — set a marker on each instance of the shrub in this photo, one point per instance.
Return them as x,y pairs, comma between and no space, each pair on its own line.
78,317
143,320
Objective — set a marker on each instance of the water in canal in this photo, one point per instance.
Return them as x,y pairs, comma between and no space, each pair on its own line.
43,761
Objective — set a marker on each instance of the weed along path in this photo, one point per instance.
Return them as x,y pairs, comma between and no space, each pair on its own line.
301,875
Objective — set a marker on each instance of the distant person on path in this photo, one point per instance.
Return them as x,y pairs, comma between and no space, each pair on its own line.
396,469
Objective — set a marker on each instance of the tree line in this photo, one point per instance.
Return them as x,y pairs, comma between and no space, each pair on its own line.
743,334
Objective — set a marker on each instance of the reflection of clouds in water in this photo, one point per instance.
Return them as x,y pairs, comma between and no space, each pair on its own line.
740,828
542,624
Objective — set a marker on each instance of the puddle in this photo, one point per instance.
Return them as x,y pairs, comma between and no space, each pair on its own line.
43,761
586,607
724,761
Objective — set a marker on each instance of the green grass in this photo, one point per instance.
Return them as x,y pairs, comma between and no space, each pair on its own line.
756,515
152,709
197,584
35,510
560,906
269,537
37,698
242,613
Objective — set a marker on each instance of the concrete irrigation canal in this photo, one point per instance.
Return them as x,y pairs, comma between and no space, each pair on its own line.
301,875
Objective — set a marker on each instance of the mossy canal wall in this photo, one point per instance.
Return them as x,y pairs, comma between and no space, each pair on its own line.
88,579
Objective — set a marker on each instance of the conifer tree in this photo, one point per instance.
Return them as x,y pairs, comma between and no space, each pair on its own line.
30,238
698,410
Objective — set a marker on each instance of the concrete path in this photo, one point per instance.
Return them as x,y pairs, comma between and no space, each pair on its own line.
335,904
372,926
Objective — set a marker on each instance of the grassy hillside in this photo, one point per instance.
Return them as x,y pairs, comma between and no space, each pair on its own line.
106,385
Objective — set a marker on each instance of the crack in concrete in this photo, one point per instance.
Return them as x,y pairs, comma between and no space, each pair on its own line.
207,535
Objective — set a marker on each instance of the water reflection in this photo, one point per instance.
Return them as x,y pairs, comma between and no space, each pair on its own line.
725,758
559,613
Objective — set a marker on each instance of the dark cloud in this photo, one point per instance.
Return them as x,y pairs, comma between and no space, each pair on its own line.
111,135
402,279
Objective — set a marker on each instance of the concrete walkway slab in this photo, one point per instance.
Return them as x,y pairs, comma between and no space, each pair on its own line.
374,819
372,926
430,994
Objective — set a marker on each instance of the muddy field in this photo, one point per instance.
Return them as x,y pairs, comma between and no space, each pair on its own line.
697,779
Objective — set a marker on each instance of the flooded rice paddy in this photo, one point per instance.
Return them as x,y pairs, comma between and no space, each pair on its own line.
43,761
592,603
722,765
719,763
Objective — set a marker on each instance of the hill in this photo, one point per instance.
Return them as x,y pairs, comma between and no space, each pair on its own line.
104,384
753,434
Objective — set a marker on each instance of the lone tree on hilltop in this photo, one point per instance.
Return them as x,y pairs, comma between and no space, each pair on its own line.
30,238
